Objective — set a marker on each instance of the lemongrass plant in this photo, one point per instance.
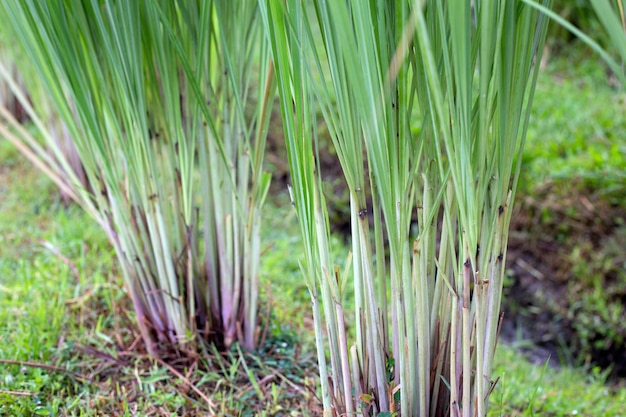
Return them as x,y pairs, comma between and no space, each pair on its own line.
168,104
427,105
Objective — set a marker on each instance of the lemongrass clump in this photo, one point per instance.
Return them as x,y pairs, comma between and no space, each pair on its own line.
168,105
427,106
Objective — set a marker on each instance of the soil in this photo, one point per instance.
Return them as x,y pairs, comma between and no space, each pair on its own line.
561,246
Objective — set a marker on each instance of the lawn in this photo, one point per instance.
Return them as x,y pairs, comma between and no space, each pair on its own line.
69,345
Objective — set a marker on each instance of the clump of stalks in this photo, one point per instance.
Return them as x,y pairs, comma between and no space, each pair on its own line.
168,105
427,104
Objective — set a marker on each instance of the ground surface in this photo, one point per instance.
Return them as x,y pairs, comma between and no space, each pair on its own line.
64,352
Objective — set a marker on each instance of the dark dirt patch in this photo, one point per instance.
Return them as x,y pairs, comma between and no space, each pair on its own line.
566,261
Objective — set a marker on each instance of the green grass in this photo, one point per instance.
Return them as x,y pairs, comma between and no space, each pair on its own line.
578,126
55,304
525,389
54,262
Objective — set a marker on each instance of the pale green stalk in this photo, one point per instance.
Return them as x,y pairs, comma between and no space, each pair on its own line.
286,37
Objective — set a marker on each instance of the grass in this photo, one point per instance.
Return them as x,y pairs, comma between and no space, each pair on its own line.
56,297
526,390
578,126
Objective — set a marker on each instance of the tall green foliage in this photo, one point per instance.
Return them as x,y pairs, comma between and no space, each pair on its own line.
427,105
168,104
